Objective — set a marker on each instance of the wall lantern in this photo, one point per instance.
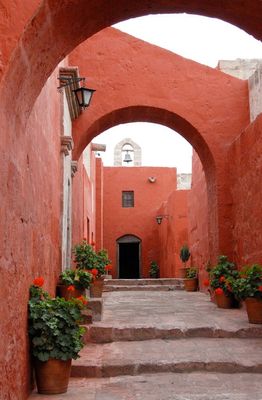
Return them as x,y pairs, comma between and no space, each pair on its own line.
160,217
83,95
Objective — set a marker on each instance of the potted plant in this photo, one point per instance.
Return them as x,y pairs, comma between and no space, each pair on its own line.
55,337
154,270
74,282
191,281
184,256
87,258
248,287
222,277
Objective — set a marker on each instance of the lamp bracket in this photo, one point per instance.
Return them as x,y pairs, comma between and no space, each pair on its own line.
69,80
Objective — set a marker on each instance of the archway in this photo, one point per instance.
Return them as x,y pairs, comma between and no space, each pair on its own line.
129,257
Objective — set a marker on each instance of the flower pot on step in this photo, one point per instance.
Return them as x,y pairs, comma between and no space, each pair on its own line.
62,291
224,301
52,376
191,284
96,288
182,272
254,310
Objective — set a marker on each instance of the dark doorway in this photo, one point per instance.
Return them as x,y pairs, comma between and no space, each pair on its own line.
129,260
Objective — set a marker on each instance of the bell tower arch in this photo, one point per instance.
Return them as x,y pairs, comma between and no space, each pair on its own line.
127,153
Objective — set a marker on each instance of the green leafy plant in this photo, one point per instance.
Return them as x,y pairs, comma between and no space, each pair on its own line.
223,275
54,326
191,273
86,258
184,254
154,270
249,283
79,278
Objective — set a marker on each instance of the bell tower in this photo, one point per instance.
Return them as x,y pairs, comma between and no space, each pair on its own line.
127,153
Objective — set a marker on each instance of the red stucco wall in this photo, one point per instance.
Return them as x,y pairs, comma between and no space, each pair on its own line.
29,230
198,219
173,232
140,220
245,174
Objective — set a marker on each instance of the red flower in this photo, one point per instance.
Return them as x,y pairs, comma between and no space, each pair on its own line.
83,300
206,282
71,288
38,281
93,243
94,272
219,291
260,288
222,279
108,267
84,239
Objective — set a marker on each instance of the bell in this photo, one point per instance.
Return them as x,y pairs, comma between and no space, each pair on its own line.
127,158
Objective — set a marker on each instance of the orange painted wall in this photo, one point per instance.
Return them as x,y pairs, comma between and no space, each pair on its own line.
198,220
140,220
173,232
245,174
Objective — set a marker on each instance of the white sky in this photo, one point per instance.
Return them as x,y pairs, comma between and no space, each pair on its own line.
205,40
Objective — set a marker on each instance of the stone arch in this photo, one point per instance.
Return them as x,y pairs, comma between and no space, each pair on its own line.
54,29
136,150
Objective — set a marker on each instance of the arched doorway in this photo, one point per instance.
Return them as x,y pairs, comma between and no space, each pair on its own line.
128,257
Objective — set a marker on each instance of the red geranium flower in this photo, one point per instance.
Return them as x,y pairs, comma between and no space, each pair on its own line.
71,288
206,282
93,243
260,288
108,267
84,239
38,281
222,279
94,271
219,291
83,300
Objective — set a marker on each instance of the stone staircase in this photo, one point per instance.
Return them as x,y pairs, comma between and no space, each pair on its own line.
160,284
167,345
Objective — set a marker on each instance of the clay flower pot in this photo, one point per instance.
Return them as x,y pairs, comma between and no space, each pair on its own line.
96,288
182,272
224,301
191,284
63,291
52,376
254,310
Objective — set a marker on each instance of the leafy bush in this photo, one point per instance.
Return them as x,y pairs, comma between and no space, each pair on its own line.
87,258
54,326
223,275
184,254
191,273
79,278
249,283
154,270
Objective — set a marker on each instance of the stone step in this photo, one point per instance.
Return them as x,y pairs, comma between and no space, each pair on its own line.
164,386
161,288
164,356
144,282
104,333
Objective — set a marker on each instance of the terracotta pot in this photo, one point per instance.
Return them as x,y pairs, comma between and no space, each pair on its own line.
96,288
52,376
254,310
224,301
67,295
182,272
191,284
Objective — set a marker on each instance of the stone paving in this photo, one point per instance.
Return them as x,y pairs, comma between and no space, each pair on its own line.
167,345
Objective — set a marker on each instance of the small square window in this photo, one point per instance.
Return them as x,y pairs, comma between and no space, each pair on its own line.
128,199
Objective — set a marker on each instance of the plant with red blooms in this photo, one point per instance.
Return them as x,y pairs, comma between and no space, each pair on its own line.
38,281
71,288
75,279
86,258
206,282
222,276
83,300
249,283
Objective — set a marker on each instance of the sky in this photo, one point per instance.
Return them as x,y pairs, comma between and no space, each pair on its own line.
202,39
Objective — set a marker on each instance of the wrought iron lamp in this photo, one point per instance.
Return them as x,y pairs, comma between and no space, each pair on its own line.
159,218
83,94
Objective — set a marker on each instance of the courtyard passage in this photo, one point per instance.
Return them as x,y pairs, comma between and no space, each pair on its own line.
167,345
